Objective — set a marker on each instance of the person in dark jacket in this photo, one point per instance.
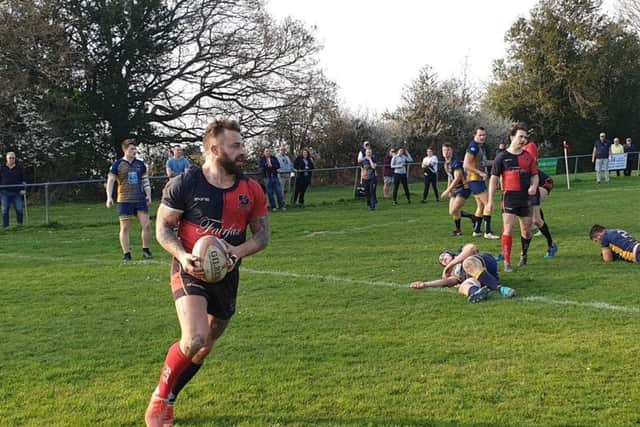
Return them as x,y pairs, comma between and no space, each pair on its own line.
632,156
303,165
12,174
269,166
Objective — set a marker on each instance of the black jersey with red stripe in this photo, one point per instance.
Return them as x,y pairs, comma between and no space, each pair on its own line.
209,210
516,171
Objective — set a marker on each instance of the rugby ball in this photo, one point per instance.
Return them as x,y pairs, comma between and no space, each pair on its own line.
213,257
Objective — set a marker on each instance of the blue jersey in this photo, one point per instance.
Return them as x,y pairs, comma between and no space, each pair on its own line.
479,160
130,178
620,243
450,168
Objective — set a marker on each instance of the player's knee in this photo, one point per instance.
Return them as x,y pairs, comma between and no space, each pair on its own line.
471,248
193,344
203,352
472,266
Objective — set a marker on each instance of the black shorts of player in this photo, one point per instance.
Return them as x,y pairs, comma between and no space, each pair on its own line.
516,203
535,200
462,192
221,296
547,185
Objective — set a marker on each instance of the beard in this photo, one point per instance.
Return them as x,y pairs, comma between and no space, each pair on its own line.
231,166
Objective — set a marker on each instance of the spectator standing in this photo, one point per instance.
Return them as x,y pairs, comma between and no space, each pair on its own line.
303,166
617,148
286,168
178,163
362,151
632,156
12,174
387,174
369,178
134,196
430,172
399,165
269,166
600,157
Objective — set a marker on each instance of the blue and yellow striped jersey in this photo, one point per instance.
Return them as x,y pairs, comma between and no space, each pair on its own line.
130,180
620,243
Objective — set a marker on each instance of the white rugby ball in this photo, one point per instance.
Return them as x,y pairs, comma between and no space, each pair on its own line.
213,257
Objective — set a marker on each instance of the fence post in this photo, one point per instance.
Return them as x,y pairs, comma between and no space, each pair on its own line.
46,203
575,168
355,183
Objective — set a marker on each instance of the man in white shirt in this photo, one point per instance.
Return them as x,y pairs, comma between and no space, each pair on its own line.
399,164
430,172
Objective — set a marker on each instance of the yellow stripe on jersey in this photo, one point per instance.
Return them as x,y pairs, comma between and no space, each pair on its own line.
625,255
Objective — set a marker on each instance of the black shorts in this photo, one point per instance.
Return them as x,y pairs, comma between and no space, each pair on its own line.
547,185
221,296
462,192
517,204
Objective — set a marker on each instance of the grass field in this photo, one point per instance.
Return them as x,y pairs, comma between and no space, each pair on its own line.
327,331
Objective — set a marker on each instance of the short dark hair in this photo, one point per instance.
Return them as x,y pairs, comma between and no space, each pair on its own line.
128,142
479,128
217,127
595,230
448,144
518,126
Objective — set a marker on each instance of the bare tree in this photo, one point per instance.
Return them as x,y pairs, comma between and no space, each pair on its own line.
629,10
160,69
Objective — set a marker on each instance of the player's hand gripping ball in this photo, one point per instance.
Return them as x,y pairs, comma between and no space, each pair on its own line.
214,257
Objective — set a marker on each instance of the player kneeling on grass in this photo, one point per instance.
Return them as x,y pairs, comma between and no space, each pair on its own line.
474,273
616,244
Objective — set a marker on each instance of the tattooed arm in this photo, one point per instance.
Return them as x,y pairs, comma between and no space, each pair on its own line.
166,221
259,240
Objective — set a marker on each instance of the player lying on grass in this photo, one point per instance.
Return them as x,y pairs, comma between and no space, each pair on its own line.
474,272
616,244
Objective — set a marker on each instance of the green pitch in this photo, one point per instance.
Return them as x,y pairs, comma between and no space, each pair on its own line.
327,332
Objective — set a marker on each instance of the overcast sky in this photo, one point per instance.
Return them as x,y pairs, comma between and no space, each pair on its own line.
373,48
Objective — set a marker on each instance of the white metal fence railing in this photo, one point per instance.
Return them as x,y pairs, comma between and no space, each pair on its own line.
53,202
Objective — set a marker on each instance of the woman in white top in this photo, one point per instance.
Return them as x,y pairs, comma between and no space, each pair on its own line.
399,166
430,172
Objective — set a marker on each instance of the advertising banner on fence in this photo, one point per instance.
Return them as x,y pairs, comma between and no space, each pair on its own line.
617,161
548,166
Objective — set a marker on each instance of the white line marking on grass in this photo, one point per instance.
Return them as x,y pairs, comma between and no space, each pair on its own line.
322,277
351,230
539,299
543,300
597,305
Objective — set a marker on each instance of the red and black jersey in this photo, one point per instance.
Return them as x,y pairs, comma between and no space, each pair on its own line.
209,210
516,171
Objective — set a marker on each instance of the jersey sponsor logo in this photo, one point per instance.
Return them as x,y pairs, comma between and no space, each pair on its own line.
213,227
201,199
132,177
244,201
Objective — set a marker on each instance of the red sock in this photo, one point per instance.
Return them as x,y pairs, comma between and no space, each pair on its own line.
507,241
174,364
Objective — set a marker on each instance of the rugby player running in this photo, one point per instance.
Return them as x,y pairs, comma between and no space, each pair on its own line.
214,200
